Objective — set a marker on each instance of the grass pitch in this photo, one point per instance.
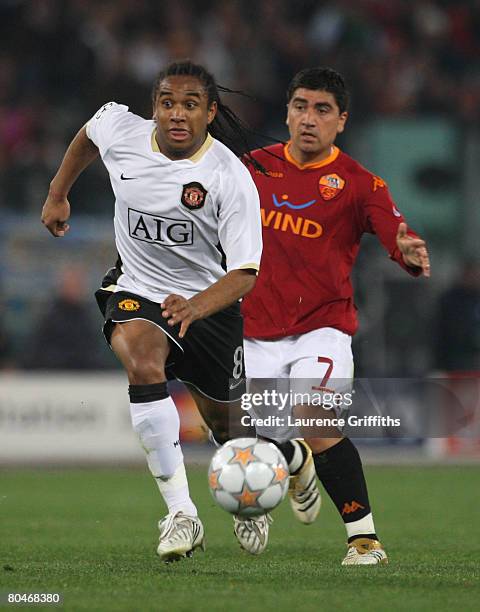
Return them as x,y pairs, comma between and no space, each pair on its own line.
91,535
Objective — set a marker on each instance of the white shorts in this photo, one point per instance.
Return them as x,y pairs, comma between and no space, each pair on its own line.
318,366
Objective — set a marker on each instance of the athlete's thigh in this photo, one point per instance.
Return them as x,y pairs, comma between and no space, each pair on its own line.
267,369
321,381
265,358
213,356
137,333
322,359
139,344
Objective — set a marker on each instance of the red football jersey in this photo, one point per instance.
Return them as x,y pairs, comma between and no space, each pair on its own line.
313,218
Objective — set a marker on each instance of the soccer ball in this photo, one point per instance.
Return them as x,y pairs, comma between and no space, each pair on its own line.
248,477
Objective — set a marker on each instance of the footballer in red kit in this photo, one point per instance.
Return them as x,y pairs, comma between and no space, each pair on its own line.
313,218
316,203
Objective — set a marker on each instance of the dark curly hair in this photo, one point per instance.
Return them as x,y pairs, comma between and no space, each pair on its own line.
324,79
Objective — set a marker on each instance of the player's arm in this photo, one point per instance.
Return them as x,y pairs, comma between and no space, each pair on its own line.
414,250
229,289
56,210
96,137
384,219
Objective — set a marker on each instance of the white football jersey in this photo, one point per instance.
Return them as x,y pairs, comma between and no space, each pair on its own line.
176,221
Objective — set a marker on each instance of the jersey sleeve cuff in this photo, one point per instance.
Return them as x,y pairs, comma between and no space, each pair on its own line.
87,130
247,266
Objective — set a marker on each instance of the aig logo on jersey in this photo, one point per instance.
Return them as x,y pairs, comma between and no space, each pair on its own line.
330,185
194,195
159,230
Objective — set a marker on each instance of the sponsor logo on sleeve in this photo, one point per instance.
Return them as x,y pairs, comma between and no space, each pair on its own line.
330,186
159,230
104,108
378,182
193,195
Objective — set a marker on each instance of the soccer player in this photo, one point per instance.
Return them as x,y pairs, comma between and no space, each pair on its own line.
316,202
188,234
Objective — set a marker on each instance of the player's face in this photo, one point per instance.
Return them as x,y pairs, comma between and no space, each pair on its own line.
313,120
182,113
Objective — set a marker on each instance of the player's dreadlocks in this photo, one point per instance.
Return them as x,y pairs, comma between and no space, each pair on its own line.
226,126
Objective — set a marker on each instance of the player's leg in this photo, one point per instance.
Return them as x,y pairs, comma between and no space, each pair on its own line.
303,493
223,420
142,348
213,368
336,459
263,362
339,468
267,359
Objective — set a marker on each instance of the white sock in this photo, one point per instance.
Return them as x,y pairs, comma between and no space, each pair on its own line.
174,491
362,526
158,427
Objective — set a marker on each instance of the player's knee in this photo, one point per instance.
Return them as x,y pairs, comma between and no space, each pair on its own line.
145,371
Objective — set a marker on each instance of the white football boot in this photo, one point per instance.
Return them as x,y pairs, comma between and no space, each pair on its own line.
180,535
364,551
252,533
303,492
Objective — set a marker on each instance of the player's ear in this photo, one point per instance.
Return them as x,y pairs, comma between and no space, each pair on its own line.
342,121
212,111
286,118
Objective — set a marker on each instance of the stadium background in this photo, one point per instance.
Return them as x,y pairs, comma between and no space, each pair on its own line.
414,71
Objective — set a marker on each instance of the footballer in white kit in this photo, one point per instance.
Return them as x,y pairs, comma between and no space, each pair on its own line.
188,235
180,225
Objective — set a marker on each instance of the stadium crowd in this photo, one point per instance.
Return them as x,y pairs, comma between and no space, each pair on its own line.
401,58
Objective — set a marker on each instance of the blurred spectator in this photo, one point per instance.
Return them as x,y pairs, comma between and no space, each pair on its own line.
66,336
458,322
401,58
6,347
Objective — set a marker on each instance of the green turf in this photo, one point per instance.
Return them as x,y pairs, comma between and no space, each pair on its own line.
90,535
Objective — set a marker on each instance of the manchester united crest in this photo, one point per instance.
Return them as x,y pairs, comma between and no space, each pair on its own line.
129,305
194,195
330,186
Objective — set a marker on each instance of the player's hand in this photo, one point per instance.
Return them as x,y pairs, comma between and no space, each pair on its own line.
414,250
178,309
55,213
